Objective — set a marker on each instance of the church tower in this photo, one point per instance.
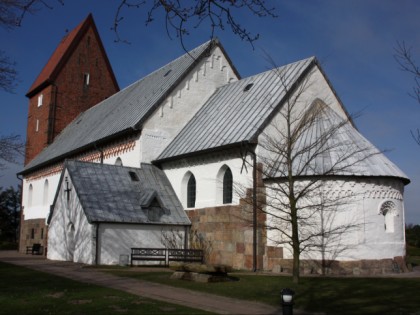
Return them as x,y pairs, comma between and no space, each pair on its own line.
77,76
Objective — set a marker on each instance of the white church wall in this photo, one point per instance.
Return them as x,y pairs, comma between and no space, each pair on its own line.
70,236
36,204
208,184
118,239
181,105
363,206
129,158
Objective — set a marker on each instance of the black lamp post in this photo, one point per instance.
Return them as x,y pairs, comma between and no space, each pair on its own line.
287,301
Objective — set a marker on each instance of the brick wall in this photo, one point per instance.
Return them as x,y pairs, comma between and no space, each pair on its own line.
69,96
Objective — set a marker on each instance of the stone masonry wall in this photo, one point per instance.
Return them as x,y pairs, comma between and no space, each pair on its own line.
31,232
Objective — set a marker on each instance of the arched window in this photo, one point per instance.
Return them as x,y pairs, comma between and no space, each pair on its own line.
191,192
45,197
227,186
389,211
118,161
30,193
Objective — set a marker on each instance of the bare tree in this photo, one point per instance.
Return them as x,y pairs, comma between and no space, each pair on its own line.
174,239
183,16
301,152
12,13
403,56
8,73
11,148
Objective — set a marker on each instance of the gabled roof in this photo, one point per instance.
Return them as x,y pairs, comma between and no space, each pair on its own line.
63,52
117,194
124,112
331,146
237,112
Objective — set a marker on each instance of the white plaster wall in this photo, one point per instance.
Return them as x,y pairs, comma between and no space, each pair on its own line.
370,239
129,158
118,239
64,245
181,105
40,206
205,170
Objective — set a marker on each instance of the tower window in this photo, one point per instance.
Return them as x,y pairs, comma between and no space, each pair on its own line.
40,99
37,125
86,79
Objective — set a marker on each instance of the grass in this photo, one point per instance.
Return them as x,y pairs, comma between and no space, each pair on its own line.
313,294
24,291
413,255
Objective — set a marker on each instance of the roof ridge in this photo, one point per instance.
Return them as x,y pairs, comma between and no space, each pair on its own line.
60,53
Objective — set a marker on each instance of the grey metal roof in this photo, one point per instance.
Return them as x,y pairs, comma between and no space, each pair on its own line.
236,112
122,112
329,146
108,193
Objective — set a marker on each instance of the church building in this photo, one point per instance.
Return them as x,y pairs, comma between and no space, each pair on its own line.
187,148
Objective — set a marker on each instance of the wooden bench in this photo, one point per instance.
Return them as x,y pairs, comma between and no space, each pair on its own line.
166,255
35,249
186,255
148,254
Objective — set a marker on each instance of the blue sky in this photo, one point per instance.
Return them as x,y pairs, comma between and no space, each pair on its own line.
353,40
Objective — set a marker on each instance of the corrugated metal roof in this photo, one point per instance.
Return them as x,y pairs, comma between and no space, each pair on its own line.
236,112
330,145
124,111
109,193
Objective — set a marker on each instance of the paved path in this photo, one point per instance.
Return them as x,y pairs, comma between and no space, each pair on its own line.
208,302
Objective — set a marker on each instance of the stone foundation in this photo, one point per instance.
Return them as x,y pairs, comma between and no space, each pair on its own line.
31,232
230,231
344,268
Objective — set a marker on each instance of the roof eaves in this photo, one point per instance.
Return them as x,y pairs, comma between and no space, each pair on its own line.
77,150
158,162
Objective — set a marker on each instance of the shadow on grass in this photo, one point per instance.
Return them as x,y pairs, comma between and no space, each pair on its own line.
24,291
313,294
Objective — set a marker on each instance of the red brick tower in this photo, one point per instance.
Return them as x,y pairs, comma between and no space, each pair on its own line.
77,76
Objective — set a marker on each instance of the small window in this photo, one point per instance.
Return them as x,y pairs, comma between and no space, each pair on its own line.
40,99
134,176
227,186
42,234
118,162
248,87
30,193
32,233
86,79
37,125
191,192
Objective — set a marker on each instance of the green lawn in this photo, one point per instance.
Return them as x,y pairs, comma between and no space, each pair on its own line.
24,291
313,294
413,255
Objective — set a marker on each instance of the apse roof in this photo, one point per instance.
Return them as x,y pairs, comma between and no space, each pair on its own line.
331,146
117,194
123,112
236,112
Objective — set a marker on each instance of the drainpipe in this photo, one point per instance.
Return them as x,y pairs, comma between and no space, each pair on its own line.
21,208
101,151
254,210
97,245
